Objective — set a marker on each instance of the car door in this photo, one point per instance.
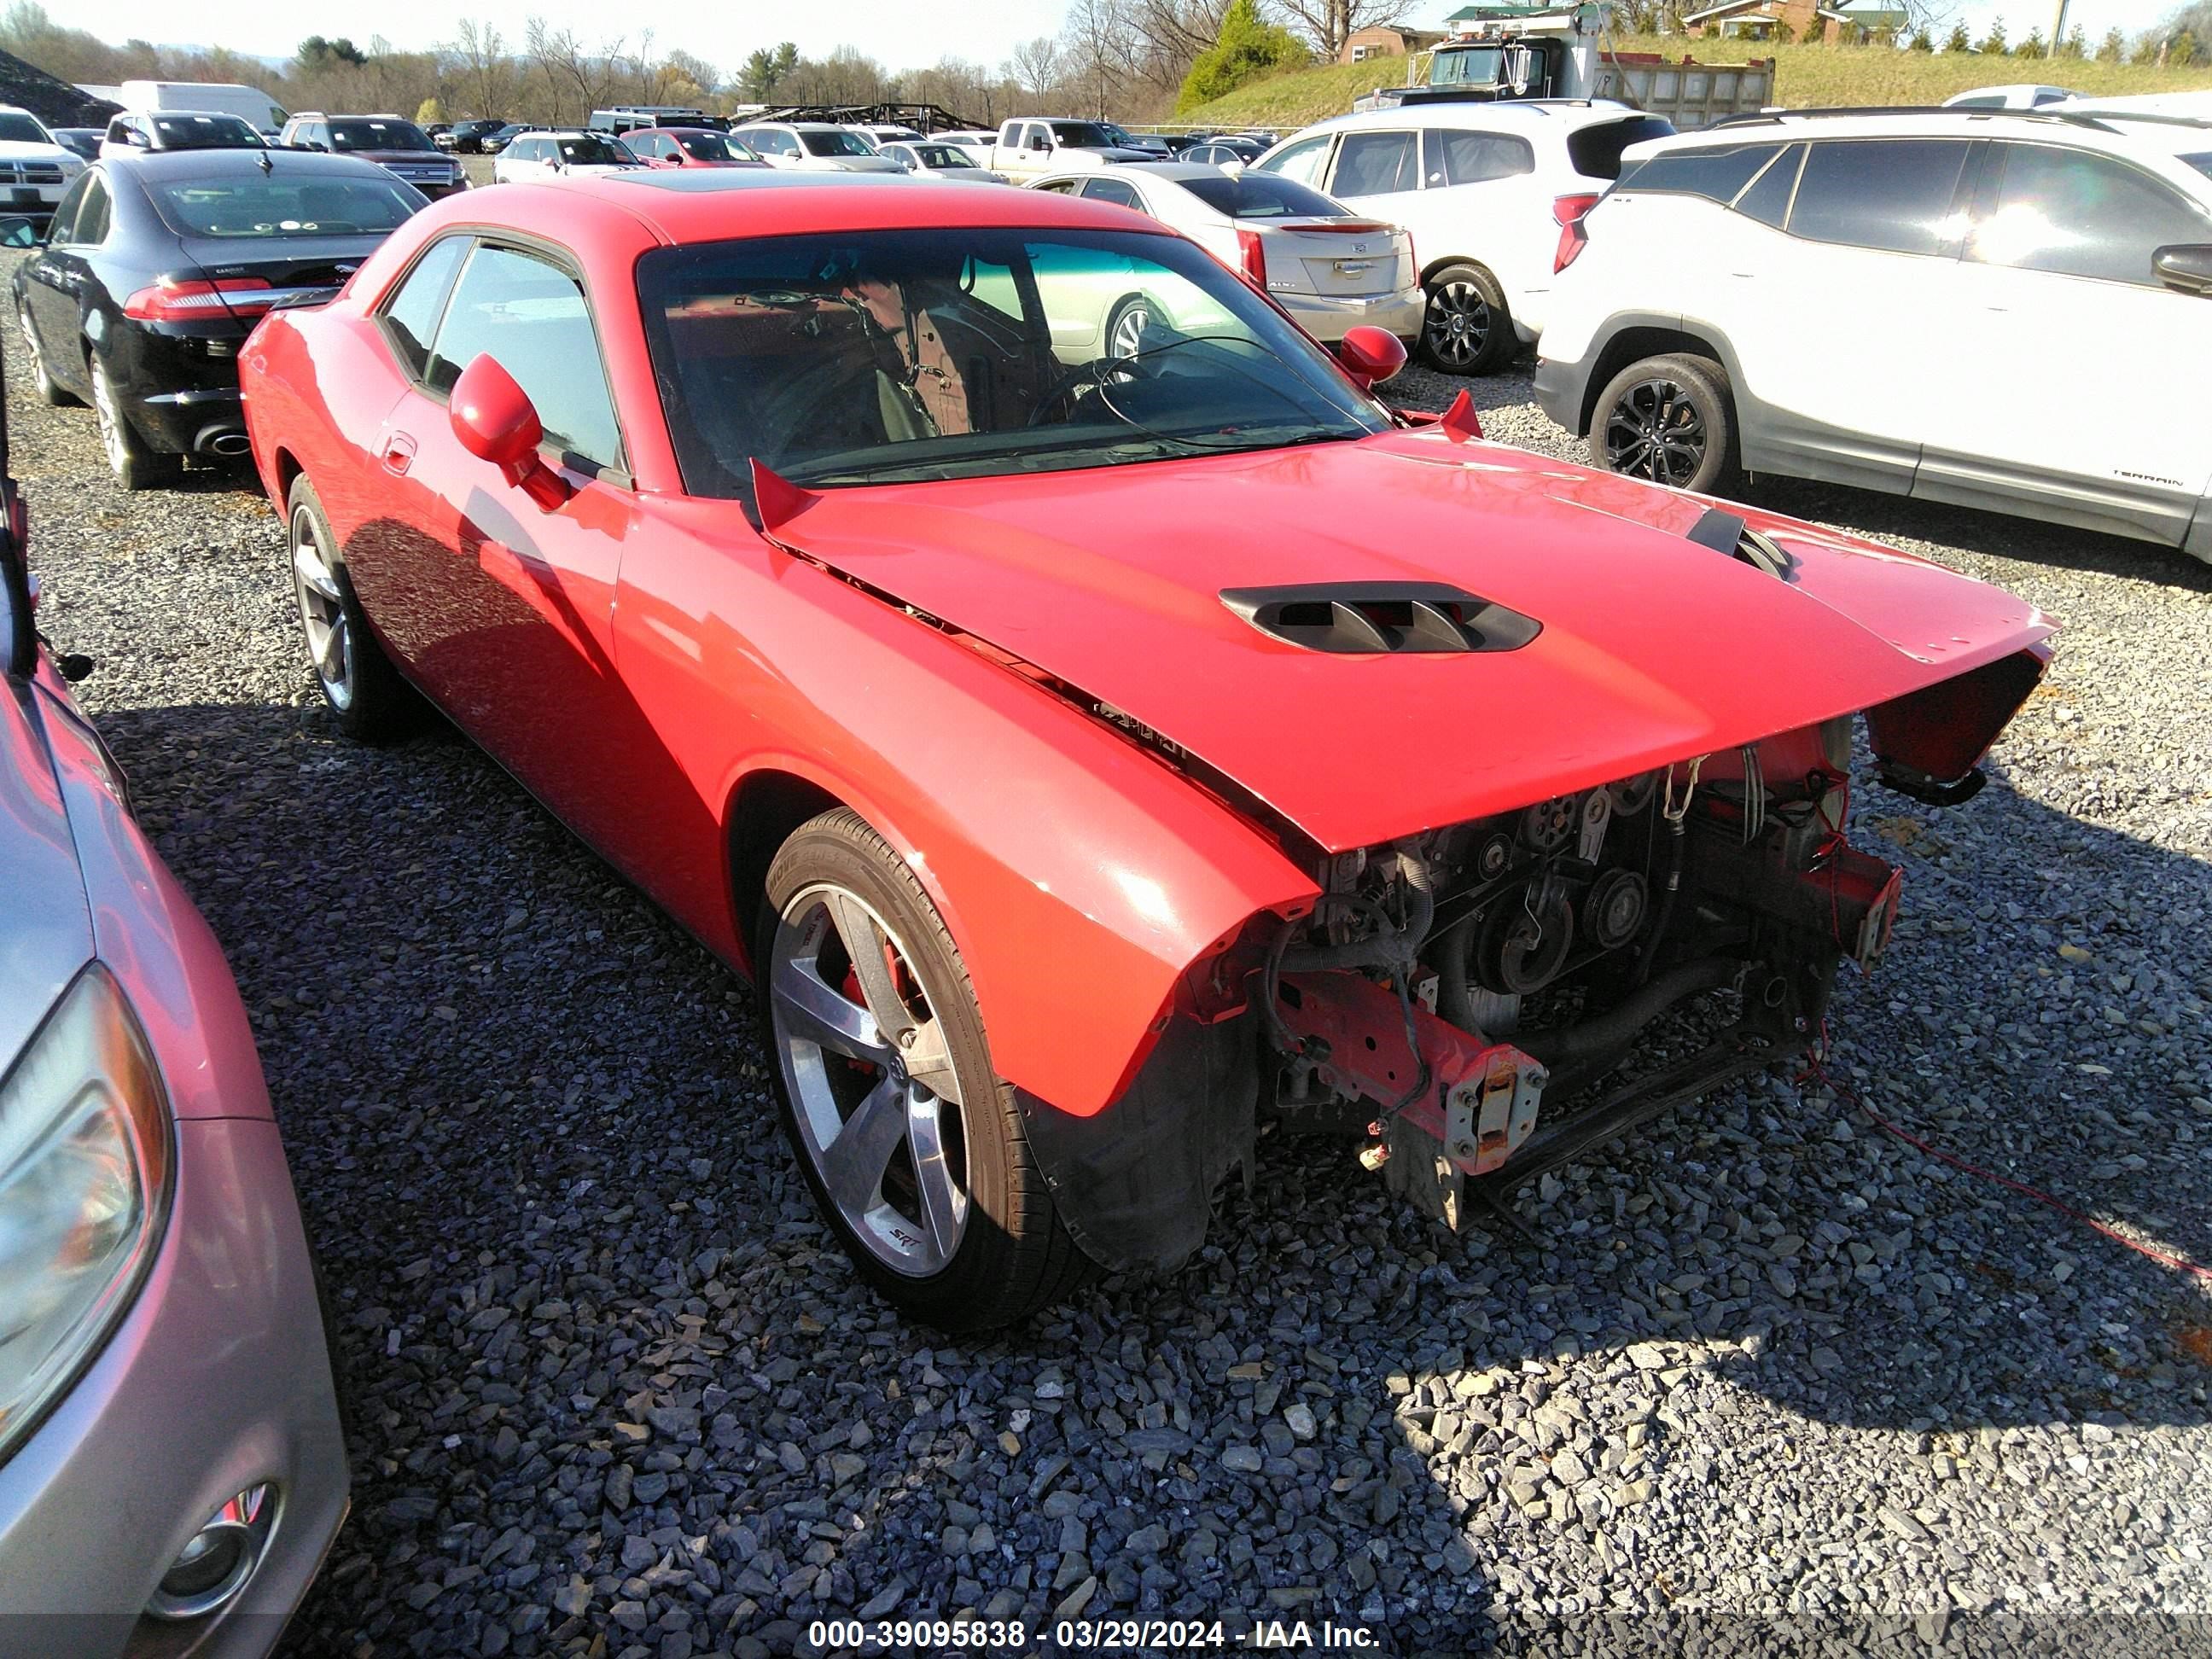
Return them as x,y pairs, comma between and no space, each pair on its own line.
1874,228
59,280
503,610
2061,250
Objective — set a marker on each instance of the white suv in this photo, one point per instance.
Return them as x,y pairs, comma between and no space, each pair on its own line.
35,169
1895,301
536,156
815,146
1489,192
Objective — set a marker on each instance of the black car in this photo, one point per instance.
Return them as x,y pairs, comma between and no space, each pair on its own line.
85,141
157,266
491,143
466,137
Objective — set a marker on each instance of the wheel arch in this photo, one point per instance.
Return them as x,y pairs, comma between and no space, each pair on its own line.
765,806
1433,268
1632,339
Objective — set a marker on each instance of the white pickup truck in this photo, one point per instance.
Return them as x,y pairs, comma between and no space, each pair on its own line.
1030,146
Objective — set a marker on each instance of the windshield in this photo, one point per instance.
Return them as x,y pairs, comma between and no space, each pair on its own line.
1480,66
23,129
275,206
585,151
2201,163
838,143
1082,134
940,155
712,146
1263,195
895,356
378,135
205,132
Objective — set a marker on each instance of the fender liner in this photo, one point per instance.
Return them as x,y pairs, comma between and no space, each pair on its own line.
1135,1182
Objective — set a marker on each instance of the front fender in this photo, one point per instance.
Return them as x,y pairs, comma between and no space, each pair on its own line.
1080,874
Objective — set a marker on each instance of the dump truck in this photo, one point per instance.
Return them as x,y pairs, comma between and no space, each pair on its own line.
1511,52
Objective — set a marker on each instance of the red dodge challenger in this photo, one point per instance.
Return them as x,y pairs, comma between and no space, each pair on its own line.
1097,725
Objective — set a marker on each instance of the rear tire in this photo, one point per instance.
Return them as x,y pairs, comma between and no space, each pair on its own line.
133,463
48,389
913,1147
1668,420
1467,328
371,703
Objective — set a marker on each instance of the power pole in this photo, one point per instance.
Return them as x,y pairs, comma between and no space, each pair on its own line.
2058,25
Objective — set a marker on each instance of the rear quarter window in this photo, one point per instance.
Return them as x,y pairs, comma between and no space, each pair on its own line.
1715,172
1595,151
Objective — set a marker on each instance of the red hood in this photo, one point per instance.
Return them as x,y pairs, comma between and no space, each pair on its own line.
1653,647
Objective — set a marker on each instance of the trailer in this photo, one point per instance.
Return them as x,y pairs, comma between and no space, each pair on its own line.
1500,52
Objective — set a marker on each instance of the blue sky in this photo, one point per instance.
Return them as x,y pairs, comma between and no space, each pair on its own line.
899,32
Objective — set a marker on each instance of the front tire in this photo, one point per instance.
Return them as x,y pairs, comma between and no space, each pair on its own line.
912,1146
135,467
1669,420
1467,328
365,692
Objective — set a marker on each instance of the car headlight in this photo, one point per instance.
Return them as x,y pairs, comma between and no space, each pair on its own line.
84,1179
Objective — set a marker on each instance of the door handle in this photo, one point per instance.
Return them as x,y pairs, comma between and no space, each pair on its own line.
398,453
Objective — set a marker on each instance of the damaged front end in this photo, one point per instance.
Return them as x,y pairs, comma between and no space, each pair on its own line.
1483,1003
1479,1004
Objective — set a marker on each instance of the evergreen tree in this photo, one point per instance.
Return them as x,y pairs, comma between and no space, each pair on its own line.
1959,41
1921,42
2183,52
1246,48
1993,43
2031,47
2114,48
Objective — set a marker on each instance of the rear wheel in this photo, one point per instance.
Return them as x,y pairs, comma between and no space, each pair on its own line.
135,467
1467,329
1667,419
1125,327
372,702
913,1147
44,385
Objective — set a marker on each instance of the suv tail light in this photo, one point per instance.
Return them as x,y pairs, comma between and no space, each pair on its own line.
1573,238
192,300
1252,256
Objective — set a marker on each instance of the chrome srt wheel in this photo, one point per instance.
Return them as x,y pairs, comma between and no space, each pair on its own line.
875,1097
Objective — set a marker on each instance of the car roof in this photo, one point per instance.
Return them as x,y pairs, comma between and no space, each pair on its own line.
161,164
718,204
2094,129
1529,114
1176,172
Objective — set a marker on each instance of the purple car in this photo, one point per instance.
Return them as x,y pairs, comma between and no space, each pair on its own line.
172,1468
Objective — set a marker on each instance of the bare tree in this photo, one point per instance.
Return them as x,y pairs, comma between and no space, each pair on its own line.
1035,64
485,72
1329,23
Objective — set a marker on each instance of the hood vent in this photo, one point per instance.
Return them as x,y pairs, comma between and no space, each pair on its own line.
1725,532
1381,618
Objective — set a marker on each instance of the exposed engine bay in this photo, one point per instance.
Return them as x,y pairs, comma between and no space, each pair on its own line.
1456,998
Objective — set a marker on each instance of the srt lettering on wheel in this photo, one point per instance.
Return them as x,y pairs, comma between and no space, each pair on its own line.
1093,741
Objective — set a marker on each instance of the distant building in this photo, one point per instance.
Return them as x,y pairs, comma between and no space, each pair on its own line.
1806,20
1387,41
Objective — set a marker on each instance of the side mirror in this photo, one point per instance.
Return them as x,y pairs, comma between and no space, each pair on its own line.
2185,268
1371,355
496,422
16,231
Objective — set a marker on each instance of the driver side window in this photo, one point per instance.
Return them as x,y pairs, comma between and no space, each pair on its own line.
532,317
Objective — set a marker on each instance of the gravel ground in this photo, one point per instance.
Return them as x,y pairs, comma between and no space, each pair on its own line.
1776,1380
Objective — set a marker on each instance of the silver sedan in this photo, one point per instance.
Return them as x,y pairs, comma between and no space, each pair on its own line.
172,1468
